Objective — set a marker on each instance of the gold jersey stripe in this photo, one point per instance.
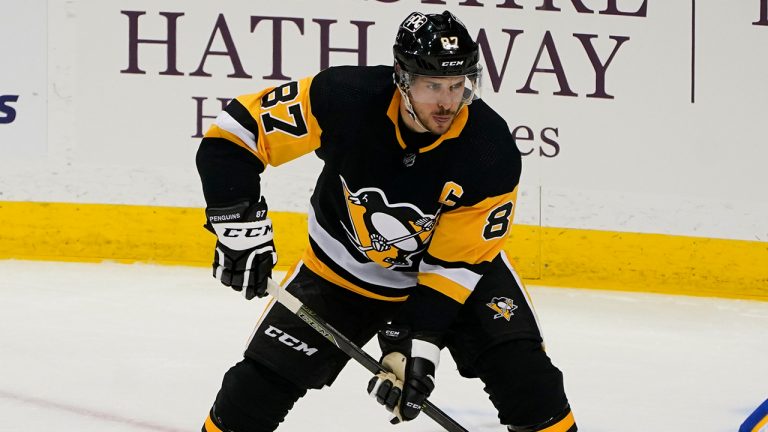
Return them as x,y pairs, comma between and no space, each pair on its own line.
563,425
445,286
456,127
319,268
210,426
460,237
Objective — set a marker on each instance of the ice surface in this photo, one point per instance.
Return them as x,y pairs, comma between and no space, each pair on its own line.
123,348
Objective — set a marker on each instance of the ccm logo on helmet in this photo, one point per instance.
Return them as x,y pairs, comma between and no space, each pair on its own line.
289,340
452,63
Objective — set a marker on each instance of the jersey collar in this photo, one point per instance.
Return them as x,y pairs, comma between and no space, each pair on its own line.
456,127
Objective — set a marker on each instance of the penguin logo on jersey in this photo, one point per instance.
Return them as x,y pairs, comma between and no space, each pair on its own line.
503,306
388,234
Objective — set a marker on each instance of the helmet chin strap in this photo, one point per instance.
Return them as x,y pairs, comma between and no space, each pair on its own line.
411,112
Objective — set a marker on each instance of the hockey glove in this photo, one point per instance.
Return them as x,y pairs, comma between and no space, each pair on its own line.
412,362
245,252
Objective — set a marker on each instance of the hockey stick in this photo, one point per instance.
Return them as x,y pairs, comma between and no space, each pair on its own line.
335,337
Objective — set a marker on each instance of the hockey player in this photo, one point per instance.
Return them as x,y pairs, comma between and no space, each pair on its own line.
406,227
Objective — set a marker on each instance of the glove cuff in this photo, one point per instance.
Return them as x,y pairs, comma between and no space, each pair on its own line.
425,350
242,211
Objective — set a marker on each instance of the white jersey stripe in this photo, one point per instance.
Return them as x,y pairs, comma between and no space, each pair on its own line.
464,277
369,272
229,124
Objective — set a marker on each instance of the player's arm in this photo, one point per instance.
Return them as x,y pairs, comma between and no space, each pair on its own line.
267,128
465,242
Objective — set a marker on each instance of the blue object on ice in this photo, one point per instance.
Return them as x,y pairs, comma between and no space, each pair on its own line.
757,421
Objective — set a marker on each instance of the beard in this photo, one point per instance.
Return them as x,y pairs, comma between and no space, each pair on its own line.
444,112
436,127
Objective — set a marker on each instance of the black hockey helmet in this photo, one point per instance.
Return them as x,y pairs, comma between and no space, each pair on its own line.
435,45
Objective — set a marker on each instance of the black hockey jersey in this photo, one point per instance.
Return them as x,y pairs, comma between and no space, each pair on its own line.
384,215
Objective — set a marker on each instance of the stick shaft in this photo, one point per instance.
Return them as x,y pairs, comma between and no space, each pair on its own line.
335,337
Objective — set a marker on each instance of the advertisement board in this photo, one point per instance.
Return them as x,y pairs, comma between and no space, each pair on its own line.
633,115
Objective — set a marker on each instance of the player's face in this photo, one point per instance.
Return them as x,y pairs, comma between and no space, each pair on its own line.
436,100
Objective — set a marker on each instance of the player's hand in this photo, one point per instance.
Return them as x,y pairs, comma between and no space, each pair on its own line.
412,363
245,251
